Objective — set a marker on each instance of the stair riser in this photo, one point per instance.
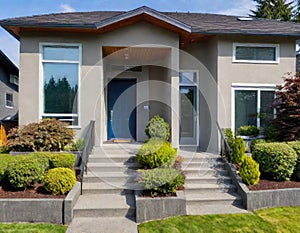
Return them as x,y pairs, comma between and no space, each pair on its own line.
208,181
202,165
106,191
111,169
105,159
105,213
108,179
115,151
200,172
213,202
209,190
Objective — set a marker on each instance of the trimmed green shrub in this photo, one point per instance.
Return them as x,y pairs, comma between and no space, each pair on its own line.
238,151
156,153
228,134
249,171
296,146
4,160
277,160
161,181
255,142
47,135
25,170
248,130
62,160
59,180
158,128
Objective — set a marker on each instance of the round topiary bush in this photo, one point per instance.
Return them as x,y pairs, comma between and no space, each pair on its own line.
276,160
59,180
296,146
156,153
249,171
158,128
248,130
25,170
161,181
62,160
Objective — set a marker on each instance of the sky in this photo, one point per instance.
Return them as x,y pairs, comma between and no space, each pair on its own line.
16,8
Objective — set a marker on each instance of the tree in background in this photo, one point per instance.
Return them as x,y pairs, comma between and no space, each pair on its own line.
287,105
297,12
273,9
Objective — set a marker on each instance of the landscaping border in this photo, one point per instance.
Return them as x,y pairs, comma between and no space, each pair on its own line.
148,208
59,211
253,200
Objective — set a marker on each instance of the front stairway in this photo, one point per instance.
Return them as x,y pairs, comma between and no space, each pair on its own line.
208,186
108,203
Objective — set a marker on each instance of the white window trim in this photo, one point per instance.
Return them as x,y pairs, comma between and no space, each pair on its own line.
277,53
248,87
41,78
9,93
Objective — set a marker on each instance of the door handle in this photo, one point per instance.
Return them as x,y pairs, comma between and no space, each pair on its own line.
111,115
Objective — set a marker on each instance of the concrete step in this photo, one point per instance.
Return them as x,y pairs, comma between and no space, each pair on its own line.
110,188
105,205
105,158
213,199
203,164
103,225
215,209
208,180
107,177
112,167
208,188
204,171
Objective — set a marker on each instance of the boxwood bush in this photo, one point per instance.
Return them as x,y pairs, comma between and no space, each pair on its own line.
4,160
161,181
276,160
25,170
156,153
296,146
59,180
66,160
47,135
248,130
158,128
249,171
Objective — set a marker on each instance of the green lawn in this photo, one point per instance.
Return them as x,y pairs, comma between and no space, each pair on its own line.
31,228
286,219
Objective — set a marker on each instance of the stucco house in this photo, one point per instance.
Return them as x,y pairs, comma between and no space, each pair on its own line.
121,68
9,79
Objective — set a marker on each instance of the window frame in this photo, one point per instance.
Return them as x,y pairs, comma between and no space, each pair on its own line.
249,87
277,53
41,83
12,101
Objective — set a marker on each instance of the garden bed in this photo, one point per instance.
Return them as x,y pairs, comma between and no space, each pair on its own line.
268,184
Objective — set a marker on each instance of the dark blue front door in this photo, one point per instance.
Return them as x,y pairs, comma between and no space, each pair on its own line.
121,105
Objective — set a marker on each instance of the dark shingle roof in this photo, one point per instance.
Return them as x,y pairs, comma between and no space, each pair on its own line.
197,22
7,64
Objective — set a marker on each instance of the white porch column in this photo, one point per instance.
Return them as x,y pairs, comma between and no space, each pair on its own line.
175,117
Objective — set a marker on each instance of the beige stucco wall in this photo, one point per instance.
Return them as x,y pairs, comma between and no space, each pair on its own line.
230,72
92,80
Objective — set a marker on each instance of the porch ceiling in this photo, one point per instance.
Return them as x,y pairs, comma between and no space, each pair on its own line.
135,53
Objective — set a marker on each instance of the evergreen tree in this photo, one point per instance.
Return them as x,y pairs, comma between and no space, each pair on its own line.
273,9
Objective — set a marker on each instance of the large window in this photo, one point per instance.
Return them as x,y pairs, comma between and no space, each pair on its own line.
253,105
61,65
256,53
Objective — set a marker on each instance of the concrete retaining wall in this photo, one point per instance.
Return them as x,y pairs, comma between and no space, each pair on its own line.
59,211
253,200
148,208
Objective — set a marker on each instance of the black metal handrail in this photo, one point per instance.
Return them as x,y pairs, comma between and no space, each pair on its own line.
225,148
89,139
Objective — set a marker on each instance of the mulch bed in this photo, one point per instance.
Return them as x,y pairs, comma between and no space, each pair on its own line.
37,191
268,184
